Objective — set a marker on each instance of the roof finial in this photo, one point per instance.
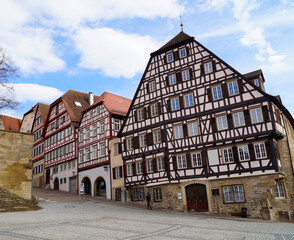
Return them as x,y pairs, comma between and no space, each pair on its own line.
181,23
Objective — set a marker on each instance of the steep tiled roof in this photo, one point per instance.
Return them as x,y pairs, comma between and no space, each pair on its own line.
114,103
253,74
10,123
44,109
180,37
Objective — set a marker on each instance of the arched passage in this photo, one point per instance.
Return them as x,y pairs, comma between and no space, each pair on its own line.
100,187
197,197
87,185
56,184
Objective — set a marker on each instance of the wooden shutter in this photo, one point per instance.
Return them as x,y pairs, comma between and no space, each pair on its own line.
113,173
155,165
240,86
158,108
163,135
181,100
214,66
144,167
191,73
265,114
167,80
119,148
202,69
204,158
176,55
189,163
185,130
235,154
166,163
145,113
136,116
213,124
209,94
149,139
147,87
120,170
125,144
125,170
225,90
136,143
230,121
251,151
269,150
165,59
175,165
187,51
148,110
134,168
168,106
247,117
179,77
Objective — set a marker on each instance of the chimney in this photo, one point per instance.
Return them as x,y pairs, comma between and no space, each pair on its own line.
91,98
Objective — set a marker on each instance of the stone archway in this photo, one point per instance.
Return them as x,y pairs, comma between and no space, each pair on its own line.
100,187
87,185
56,184
196,197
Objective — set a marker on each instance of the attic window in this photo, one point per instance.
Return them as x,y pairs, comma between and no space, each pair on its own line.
78,104
256,82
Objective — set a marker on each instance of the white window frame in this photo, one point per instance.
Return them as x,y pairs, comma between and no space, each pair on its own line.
154,110
129,143
279,190
130,170
193,128
175,104
157,136
160,164
149,165
116,149
117,173
233,88
102,149
256,115
186,75
228,156
143,140
233,193
152,86
181,161
222,122
243,153
170,57
140,114
196,159
208,67
172,79
157,194
116,124
178,131
216,92
183,52
260,150
256,82
139,168
239,119
189,100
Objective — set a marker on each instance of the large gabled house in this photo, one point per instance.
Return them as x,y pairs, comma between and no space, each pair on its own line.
60,134
100,123
200,136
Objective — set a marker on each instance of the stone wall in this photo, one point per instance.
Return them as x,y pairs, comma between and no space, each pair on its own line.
16,162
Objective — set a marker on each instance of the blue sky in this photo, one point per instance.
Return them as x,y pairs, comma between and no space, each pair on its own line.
90,45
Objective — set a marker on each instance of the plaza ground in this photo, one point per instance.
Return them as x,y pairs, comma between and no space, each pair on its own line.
65,216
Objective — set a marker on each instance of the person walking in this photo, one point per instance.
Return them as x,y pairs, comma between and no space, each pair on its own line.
148,200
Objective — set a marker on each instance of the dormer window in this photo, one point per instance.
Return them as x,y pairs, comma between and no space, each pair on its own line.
170,57
57,109
183,53
256,82
78,104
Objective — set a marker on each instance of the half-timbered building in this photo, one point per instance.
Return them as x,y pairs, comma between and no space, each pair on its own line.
200,136
41,112
100,123
60,134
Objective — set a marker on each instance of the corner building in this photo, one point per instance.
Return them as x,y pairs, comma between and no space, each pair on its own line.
200,136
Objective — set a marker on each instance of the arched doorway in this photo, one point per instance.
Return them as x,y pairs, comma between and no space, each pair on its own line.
56,184
100,187
87,185
197,197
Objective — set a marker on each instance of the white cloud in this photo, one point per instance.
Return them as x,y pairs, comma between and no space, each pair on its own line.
112,51
26,92
276,64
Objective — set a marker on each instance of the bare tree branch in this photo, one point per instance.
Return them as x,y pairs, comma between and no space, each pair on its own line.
8,70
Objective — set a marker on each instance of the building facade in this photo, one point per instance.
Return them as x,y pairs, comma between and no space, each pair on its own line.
39,176
100,123
200,136
60,134
27,121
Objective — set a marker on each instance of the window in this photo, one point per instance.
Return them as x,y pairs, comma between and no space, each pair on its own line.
62,120
217,92
102,149
94,151
152,86
186,75
183,53
139,168
78,104
140,114
172,79
196,159
102,127
149,166
129,169
260,150
208,68
228,155
175,104
256,82
182,163
233,88
87,154
160,164
189,102
193,129
233,194
117,173
61,181
129,143
222,123
178,131
157,136
256,115
64,180
157,195
279,190
87,133
116,148
97,110
143,140
116,124
138,194
170,57
28,127
57,110
243,153
154,110
239,119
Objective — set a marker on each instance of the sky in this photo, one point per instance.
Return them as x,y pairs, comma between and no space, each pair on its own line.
96,46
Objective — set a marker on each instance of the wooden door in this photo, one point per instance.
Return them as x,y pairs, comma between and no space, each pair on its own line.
73,185
197,197
47,176
56,184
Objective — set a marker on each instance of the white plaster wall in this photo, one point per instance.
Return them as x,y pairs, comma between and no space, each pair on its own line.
93,174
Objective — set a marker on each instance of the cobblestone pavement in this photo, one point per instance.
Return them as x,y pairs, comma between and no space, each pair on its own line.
65,216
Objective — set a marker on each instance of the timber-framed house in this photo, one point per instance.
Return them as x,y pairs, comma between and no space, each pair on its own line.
100,123
61,139
201,136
